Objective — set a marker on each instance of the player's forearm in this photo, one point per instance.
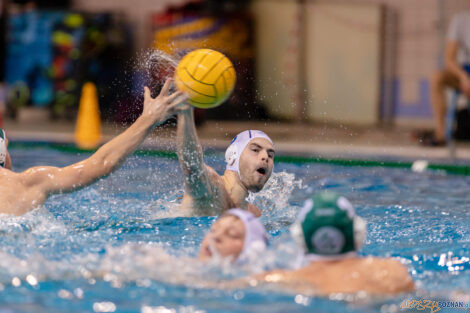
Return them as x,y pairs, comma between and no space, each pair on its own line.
101,163
189,149
114,152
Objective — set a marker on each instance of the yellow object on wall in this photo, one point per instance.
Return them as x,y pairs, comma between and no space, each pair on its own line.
229,36
88,127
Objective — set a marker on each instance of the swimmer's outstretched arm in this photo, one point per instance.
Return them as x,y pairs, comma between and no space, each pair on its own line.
110,156
196,175
276,280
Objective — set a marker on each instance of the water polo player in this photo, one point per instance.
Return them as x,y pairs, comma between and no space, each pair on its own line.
249,160
330,233
5,160
22,192
237,235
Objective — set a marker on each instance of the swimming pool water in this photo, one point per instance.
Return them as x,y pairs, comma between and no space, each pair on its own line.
105,248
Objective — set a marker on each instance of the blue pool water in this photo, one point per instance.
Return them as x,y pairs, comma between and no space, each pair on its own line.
105,248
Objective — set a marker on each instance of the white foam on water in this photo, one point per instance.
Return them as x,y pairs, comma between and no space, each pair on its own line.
273,200
37,221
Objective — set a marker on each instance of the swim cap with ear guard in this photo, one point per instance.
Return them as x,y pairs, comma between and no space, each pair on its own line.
238,144
328,228
255,234
3,148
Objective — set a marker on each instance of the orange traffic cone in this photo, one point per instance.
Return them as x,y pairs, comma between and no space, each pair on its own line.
88,127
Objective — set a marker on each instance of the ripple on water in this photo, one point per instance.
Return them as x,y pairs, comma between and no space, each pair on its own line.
125,236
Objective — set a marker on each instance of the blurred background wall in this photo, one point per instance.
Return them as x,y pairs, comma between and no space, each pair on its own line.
138,13
362,62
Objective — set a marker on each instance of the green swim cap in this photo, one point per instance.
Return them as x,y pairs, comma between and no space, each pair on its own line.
327,225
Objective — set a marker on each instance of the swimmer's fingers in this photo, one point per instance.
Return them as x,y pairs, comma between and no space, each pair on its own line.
179,105
147,96
166,87
181,108
173,96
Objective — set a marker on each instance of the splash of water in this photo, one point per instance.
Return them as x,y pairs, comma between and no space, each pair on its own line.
157,66
274,198
160,63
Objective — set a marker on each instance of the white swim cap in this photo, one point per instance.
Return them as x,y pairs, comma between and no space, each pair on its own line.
255,234
3,148
238,144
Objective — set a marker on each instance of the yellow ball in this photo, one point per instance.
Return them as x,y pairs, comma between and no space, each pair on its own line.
206,76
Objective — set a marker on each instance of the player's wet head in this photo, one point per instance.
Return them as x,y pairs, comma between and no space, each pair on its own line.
327,227
236,235
251,155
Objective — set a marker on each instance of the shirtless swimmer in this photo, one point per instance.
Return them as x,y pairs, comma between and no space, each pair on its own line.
22,192
249,160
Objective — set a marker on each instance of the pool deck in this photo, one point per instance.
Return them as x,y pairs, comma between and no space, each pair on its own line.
305,139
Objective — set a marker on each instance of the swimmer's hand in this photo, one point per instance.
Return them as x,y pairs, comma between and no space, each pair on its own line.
159,109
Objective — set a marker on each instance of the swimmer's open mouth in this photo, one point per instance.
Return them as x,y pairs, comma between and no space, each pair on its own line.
261,170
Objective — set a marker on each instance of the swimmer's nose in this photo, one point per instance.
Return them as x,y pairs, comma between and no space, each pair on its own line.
264,155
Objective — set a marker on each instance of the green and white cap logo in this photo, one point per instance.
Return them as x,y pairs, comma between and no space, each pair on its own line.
328,226
3,148
328,240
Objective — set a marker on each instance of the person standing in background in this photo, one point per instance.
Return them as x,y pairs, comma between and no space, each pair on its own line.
455,75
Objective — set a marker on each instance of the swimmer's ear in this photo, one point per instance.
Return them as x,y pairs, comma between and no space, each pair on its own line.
173,96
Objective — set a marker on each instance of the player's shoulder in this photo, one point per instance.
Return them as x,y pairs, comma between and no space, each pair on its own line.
6,174
212,172
213,176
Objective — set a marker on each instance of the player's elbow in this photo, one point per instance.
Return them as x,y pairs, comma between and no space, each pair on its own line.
103,164
107,166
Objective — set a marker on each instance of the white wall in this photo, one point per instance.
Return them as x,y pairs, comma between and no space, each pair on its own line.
322,63
343,61
277,61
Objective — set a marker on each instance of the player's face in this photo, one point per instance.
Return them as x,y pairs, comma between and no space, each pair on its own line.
225,238
256,164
